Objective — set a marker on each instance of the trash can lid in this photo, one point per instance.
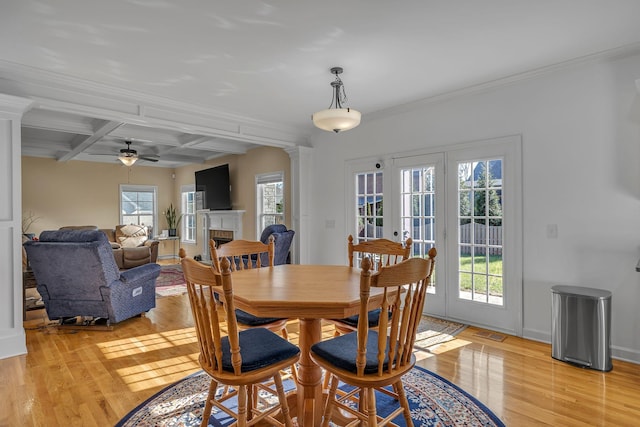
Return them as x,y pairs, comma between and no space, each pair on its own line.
580,291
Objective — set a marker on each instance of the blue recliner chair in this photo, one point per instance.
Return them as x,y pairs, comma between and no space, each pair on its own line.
76,275
282,242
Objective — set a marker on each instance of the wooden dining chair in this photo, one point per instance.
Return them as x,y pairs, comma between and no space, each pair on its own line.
248,254
381,252
241,359
368,359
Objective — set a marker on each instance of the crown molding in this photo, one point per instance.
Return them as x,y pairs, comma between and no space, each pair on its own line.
610,54
58,92
14,104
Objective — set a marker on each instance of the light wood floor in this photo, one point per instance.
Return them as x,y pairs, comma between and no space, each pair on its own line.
94,378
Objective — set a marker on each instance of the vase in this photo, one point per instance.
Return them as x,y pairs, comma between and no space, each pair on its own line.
173,232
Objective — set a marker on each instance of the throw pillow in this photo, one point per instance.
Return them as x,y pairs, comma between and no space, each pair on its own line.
133,241
132,236
132,230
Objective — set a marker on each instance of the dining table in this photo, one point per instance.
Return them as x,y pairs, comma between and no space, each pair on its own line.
309,293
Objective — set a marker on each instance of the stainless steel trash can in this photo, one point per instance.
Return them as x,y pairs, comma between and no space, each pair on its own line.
581,326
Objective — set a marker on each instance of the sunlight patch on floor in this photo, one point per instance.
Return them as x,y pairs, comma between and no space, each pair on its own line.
146,343
448,346
159,373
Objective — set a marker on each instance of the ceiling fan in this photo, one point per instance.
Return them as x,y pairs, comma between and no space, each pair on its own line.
128,156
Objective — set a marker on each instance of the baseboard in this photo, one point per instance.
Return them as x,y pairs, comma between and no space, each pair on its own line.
626,354
617,352
13,345
536,335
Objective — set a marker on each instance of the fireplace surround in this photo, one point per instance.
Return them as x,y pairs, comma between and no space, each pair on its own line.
221,226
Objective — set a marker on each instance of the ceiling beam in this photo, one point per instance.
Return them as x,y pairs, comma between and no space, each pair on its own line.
217,145
80,143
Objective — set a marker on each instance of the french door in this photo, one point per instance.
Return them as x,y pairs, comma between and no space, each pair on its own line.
465,201
419,201
484,235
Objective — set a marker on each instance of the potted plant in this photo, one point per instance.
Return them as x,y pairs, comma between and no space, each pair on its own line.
173,220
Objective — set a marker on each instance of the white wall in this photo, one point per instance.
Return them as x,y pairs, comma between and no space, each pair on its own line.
580,128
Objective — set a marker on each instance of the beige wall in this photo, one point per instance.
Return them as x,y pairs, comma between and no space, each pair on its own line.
243,170
87,193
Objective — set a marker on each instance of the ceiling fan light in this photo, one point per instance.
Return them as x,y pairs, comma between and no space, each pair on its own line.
128,159
337,119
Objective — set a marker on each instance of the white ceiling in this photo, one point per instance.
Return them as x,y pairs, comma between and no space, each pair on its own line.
265,65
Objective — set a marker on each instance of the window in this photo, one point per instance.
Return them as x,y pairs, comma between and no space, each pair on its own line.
138,205
188,210
270,200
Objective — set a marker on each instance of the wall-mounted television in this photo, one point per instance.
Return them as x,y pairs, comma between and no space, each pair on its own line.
213,189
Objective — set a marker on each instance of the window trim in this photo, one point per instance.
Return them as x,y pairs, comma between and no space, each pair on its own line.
268,178
188,188
140,188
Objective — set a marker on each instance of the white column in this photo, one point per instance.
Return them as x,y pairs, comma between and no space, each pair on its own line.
12,337
301,173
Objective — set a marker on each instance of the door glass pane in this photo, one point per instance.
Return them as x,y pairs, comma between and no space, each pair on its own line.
417,213
370,205
480,231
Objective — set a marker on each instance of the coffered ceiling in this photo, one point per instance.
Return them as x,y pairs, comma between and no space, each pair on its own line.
191,80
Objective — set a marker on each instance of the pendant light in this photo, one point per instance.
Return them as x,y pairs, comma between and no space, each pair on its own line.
338,118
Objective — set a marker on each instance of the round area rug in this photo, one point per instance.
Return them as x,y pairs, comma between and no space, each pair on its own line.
434,401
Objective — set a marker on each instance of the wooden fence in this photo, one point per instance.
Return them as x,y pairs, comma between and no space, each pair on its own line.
482,235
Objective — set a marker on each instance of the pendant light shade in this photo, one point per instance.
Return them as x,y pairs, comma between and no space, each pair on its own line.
336,118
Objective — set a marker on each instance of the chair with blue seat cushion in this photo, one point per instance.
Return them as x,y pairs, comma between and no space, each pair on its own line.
77,275
238,253
369,359
282,239
240,359
382,252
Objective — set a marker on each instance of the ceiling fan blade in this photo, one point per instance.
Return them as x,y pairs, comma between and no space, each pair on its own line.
148,159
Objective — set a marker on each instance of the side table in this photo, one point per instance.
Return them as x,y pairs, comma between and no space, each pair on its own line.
173,240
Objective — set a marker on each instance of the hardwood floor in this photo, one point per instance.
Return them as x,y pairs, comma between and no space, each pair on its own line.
93,378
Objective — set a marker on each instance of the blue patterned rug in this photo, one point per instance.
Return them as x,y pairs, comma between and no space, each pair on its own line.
434,401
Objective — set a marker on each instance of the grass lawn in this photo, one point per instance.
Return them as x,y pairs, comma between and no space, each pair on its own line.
481,271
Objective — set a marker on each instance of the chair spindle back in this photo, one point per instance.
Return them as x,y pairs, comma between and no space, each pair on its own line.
396,336
383,252
202,283
242,254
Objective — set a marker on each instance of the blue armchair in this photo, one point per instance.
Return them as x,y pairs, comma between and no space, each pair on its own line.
282,242
76,275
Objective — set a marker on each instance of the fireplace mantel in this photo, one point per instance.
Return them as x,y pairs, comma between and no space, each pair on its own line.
229,220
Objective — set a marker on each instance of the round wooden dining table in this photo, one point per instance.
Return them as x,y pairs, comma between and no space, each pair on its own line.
309,293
